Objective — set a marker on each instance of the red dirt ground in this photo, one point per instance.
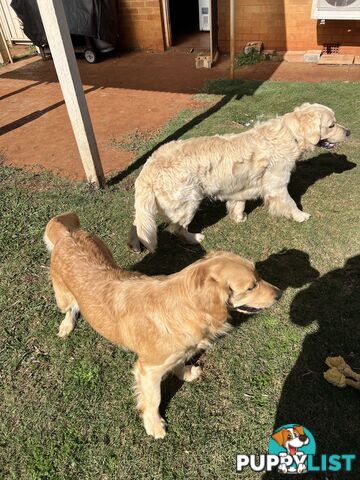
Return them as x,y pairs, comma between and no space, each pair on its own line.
133,91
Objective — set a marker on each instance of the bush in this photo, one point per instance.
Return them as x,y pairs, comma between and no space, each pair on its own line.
249,58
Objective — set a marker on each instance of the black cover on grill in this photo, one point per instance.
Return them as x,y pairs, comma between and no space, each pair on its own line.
91,18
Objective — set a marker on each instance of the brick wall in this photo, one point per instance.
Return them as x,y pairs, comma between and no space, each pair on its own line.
255,19
140,25
285,25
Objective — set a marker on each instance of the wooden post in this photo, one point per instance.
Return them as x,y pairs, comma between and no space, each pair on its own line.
166,23
232,38
62,51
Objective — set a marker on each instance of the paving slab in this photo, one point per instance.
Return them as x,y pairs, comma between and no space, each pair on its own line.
131,92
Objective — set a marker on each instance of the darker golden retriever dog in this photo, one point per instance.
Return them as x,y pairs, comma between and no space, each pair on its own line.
232,168
165,320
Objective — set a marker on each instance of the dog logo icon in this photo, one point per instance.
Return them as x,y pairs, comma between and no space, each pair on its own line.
292,443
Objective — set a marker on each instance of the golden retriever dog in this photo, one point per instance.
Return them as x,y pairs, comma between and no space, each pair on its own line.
232,168
165,320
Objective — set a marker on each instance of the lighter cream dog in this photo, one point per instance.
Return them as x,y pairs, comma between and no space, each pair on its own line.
233,168
165,320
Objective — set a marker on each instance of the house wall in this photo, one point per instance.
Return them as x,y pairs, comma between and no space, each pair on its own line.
280,24
140,25
285,25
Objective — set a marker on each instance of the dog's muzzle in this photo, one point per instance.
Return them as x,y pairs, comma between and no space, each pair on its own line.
247,309
326,144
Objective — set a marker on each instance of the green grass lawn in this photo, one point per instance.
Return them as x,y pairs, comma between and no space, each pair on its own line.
67,406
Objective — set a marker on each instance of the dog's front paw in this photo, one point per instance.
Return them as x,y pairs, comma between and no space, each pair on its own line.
191,373
301,216
65,328
155,427
301,468
199,237
238,218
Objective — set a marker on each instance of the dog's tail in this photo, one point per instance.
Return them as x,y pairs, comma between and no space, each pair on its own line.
145,214
58,227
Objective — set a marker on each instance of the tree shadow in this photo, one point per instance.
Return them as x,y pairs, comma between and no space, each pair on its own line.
331,414
287,268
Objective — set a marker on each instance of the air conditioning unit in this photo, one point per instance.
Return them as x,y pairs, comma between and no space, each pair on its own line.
336,9
204,15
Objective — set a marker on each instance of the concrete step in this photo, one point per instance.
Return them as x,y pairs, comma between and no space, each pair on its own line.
336,60
312,56
294,56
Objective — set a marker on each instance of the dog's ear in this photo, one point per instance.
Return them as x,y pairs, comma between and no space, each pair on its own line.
299,429
310,124
303,106
212,294
279,436
305,125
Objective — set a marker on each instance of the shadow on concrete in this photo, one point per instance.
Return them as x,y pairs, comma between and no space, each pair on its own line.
34,115
20,90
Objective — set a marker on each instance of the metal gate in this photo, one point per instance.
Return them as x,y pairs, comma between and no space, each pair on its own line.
11,24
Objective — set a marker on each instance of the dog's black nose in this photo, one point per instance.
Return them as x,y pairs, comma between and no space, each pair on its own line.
348,133
278,295
303,438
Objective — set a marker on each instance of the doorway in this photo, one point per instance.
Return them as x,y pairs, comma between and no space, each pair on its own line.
191,25
186,29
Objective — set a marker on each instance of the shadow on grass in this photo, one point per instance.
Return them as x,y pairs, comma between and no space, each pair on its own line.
306,174
289,268
171,256
331,414
310,171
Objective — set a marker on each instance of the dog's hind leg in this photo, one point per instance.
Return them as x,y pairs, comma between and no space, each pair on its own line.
180,219
188,237
68,305
147,387
68,324
187,373
133,240
236,210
